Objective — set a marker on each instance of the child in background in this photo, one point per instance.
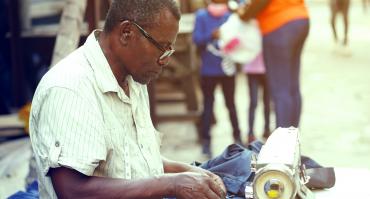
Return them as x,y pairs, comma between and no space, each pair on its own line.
206,33
256,75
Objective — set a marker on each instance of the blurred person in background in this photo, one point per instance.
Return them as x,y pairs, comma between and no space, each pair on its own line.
284,26
340,7
255,71
256,77
206,35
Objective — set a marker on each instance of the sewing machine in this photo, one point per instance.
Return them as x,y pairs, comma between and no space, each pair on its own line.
279,172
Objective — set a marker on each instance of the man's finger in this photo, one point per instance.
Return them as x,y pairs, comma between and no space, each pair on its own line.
216,188
218,180
211,194
221,184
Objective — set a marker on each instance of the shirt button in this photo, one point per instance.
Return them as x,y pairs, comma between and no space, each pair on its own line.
57,144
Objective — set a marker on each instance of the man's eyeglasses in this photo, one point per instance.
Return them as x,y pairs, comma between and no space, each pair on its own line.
166,52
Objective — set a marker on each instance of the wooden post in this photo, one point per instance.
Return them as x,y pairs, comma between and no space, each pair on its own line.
93,14
69,29
16,53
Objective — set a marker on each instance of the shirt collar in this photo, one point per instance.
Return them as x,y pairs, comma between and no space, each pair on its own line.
105,78
134,86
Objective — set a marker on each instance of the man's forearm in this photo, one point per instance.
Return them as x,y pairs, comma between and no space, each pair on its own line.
72,184
155,187
171,166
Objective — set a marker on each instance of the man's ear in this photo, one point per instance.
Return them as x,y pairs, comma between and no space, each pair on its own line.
125,32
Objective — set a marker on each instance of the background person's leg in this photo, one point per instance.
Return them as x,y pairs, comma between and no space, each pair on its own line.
266,105
208,85
345,11
334,12
228,88
253,97
279,77
302,32
283,81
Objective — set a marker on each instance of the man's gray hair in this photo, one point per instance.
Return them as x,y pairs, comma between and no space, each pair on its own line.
143,12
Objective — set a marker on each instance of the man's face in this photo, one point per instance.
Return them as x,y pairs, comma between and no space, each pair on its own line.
150,49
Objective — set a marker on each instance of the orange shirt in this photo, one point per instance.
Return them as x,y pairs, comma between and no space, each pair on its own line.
279,12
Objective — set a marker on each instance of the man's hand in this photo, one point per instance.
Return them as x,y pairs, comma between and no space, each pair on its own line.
187,172
215,177
198,185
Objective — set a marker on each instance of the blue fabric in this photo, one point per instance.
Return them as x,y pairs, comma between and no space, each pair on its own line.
205,24
282,53
32,192
233,166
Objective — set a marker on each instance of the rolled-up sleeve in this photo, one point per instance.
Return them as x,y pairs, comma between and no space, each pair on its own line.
70,131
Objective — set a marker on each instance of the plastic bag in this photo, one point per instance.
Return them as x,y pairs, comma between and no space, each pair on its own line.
227,65
240,41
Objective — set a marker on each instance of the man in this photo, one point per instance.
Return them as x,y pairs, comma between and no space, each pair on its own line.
206,34
90,124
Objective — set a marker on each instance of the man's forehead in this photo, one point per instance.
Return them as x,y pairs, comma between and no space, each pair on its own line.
165,24
166,15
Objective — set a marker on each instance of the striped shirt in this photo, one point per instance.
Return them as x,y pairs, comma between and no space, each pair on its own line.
82,119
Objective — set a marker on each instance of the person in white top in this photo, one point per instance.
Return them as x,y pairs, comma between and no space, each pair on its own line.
90,124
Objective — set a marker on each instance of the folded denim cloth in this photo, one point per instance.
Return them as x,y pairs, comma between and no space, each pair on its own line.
234,168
